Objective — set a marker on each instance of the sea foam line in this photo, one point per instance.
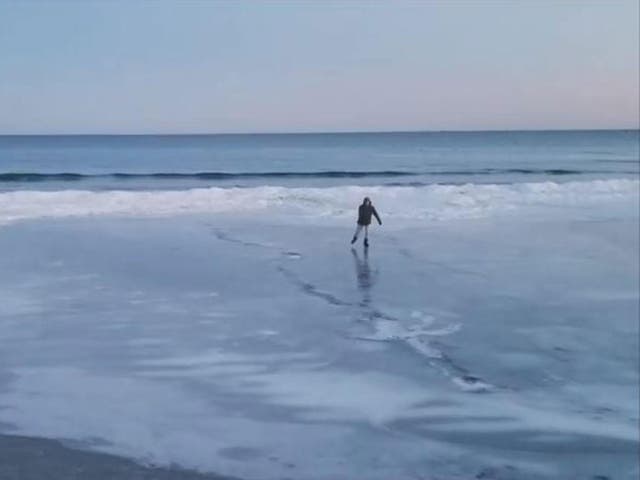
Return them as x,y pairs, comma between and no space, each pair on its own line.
431,202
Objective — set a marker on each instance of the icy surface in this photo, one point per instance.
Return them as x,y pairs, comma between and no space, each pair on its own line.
503,345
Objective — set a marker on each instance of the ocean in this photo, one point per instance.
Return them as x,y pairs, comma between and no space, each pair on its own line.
190,306
189,161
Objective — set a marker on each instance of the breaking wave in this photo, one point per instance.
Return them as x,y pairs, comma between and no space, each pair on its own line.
27,177
397,203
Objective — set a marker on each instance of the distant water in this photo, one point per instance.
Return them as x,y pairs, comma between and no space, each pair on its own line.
172,162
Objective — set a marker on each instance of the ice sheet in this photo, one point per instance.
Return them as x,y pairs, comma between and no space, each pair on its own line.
255,347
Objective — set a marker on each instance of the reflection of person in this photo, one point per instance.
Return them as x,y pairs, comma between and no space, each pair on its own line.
364,220
363,274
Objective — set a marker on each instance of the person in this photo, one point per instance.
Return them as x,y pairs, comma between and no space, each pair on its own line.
364,220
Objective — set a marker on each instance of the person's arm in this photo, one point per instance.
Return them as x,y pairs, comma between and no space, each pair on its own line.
375,214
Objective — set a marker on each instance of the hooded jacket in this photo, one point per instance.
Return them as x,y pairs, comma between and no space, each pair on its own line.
364,214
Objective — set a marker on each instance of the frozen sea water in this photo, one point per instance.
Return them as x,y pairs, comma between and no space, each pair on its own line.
496,343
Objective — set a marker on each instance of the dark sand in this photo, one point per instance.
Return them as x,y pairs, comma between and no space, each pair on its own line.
27,458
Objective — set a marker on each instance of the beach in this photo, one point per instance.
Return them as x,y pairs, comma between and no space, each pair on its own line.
260,347
489,331
344,240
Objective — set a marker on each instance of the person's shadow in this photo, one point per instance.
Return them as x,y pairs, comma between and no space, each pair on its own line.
364,276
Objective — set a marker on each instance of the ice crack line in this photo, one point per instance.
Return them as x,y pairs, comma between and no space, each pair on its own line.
311,289
435,357
225,237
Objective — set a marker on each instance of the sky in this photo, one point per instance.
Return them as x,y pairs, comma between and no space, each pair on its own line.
159,66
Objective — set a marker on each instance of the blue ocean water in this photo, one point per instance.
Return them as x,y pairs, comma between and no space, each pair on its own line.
414,158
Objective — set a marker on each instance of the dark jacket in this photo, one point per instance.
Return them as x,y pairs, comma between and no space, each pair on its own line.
364,214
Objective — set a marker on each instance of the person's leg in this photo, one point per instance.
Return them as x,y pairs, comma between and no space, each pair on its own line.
366,235
356,233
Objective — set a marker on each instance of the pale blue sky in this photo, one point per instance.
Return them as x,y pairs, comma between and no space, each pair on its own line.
220,66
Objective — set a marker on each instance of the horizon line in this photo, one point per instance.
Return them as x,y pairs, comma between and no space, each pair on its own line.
319,132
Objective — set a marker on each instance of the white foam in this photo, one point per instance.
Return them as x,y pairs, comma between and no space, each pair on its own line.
396,330
427,203
415,332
